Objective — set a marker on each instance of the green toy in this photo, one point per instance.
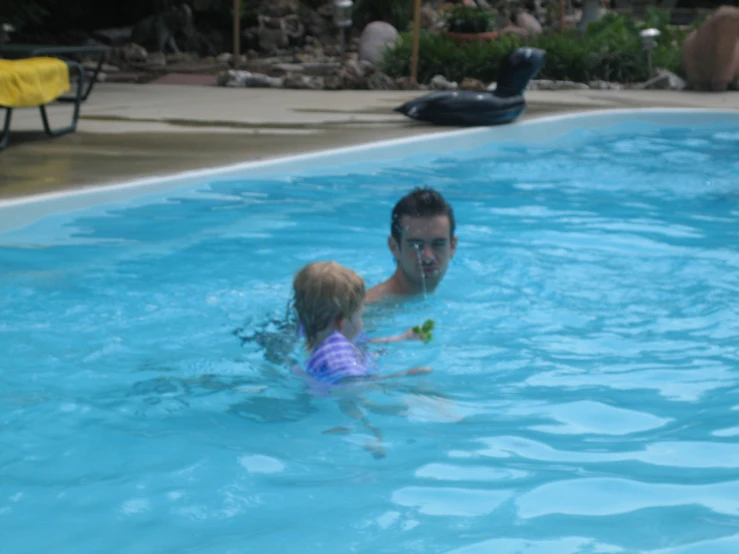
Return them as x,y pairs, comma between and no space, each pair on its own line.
425,331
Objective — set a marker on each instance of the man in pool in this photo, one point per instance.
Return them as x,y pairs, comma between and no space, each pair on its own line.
422,241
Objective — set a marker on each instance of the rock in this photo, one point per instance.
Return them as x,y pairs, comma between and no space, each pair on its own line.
604,85
380,81
428,17
406,83
156,59
299,81
353,76
375,38
179,57
546,84
711,52
91,65
367,68
320,69
332,82
132,52
294,28
570,20
310,55
5,30
326,10
117,36
272,34
238,78
279,8
664,80
469,83
285,68
225,57
527,21
439,82
540,12
319,28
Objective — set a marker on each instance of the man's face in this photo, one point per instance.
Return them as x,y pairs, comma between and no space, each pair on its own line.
425,249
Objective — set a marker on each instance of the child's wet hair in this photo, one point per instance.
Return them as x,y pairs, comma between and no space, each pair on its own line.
324,292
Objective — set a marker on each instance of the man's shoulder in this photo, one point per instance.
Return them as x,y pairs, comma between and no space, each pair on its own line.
378,292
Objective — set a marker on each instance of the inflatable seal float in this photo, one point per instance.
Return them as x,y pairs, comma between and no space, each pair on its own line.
471,108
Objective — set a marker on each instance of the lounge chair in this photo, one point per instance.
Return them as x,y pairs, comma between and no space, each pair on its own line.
35,82
14,51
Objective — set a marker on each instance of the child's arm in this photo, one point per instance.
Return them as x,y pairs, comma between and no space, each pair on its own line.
420,332
407,373
408,335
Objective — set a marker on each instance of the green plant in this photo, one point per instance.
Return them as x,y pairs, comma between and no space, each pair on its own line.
610,50
441,55
396,12
221,6
463,19
21,13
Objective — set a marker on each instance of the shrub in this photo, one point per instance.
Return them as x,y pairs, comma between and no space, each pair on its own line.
610,50
463,19
21,13
396,12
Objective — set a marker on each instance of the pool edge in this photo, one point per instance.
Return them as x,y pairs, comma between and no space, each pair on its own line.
20,211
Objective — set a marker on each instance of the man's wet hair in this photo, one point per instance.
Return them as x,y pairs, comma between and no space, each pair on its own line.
420,202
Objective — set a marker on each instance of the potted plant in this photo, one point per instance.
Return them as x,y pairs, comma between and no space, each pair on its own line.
464,24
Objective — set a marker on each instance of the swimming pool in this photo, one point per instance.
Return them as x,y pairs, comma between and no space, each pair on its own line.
584,393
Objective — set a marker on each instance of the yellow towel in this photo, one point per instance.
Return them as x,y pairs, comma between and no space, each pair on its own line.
32,81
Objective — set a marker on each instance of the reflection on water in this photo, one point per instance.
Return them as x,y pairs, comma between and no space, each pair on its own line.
585,360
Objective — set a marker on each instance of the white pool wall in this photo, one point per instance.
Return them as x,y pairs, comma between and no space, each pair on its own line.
16,213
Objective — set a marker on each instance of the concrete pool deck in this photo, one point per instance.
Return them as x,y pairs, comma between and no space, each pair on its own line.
128,131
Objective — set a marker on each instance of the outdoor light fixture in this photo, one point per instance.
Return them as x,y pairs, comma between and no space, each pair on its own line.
343,20
649,41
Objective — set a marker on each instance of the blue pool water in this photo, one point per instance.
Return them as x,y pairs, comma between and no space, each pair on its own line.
584,397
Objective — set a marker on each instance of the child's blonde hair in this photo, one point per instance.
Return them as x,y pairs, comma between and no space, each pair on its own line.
324,292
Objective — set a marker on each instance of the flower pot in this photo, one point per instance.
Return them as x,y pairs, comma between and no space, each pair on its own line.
461,38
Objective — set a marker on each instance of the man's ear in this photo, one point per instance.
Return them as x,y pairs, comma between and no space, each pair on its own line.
453,244
394,247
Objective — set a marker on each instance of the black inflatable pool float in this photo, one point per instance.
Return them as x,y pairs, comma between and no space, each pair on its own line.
471,108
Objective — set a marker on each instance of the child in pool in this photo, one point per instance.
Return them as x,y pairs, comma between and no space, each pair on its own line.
329,301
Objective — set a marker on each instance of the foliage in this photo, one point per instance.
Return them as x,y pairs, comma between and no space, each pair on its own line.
463,19
313,4
225,7
219,13
610,50
21,13
396,12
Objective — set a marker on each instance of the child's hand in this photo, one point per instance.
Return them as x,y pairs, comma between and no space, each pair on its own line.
419,332
411,334
424,332
419,371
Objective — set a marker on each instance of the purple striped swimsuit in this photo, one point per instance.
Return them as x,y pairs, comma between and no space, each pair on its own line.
336,358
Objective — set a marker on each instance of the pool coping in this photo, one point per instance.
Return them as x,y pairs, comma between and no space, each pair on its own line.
18,212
